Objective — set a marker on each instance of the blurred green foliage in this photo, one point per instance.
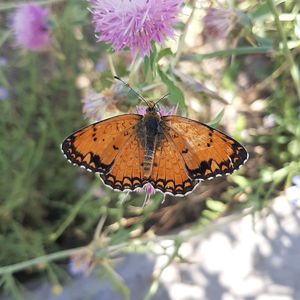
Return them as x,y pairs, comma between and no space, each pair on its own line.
47,206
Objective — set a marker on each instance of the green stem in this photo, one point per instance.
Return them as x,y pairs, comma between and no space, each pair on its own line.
125,247
72,215
99,227
293,67
39,260
111,65
227,52
116,280
155,283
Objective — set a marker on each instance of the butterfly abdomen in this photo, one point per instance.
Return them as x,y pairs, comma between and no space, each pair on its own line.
149,154
151,125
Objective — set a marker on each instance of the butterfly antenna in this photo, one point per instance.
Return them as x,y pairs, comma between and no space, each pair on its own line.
139,96
163,97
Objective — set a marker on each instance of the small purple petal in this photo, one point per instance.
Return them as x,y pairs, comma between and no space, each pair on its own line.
167,112
98,192
30,27
141,110
149,189
80,263
3,93
296,181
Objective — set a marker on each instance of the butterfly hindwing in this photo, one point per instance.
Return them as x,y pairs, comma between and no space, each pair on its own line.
207,152
168,173
96,146
127,171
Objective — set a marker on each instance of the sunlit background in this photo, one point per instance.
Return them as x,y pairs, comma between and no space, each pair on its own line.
231,64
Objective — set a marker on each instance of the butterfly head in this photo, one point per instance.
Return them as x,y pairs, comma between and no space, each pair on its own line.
152,107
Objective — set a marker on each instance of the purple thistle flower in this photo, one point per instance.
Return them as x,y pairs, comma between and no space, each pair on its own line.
30,27
134,23
3,93
218,23
94,105
293,192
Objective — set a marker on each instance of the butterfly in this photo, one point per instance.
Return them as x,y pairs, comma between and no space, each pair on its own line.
170,152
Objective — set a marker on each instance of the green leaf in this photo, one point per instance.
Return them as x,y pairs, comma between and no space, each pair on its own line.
215,122
211,215
163,53
146,65
149,63
228,52
264,41
176,96
216,206
244,20
153,56
260,11
241,181
280,174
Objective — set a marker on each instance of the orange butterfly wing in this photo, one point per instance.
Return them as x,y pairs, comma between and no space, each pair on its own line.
169,173
205,151
127,172
97,146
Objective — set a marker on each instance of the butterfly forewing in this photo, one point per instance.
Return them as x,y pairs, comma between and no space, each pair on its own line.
206,152
97,146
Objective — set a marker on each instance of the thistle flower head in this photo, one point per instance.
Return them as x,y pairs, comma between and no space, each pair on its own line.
218,23
30,27
134,23
96,104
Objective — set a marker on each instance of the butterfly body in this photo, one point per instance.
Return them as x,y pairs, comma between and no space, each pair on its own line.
150,135
172,153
